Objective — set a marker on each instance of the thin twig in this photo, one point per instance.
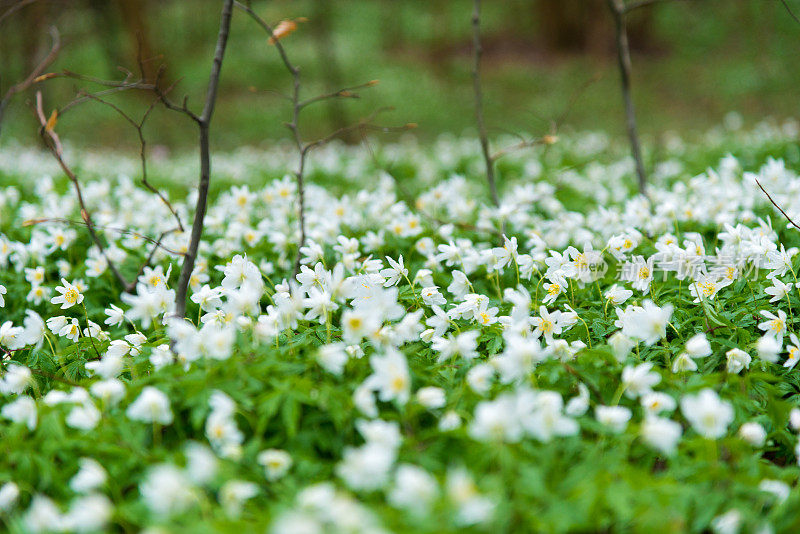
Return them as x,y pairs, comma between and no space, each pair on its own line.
124,231
525,143
476,87
294,125
347,92
16,7
139,126
789,10
54,145
35,73
776,205
617,9
203,122
304,148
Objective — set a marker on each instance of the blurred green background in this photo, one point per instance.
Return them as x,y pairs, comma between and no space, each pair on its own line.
546,62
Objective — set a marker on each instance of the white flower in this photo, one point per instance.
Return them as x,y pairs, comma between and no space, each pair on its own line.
43,515
333,357
614,417
617,295
657,402
778,290
639,272
683,363
21,410
768,348
69,295
390,377
753,433
479,378
112,363
71,330
166,491
9,493
35,329
234,493
579,404
775,325
727,523
430,296
151,406
88,514
639,380
3,291
201,464
395,272
707,413
778,488
737,360
114,315
449,421
698,346
706,287
621,344
90,476
472,507
464,344
414,489
358,324
496,420
431,397
546,324
12,337
648,323
661,433
84,416
16,379
366,468
276,463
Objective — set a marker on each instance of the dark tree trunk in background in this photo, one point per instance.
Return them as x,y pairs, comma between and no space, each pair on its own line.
584,26
134,19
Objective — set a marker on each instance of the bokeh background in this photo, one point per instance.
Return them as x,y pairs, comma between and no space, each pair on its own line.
548,63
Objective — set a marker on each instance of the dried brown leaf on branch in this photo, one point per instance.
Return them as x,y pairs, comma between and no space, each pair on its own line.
51,122
285,28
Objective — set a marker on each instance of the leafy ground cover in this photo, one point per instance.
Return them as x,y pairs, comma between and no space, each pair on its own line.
578,359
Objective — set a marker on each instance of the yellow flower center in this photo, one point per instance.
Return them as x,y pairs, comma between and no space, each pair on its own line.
398,383
71,296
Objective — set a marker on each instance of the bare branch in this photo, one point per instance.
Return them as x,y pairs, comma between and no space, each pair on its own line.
617,9
128,83
294,125
347,92
16,7
476,87
48,134
525,143
37,71
124,231
776,205
789,10
139,126
203,122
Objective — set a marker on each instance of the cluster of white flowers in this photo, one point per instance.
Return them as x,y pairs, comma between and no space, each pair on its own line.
481,297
